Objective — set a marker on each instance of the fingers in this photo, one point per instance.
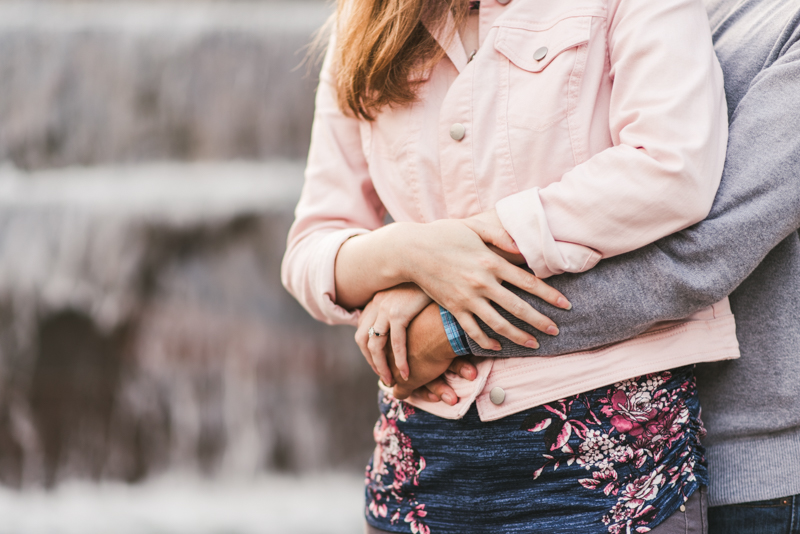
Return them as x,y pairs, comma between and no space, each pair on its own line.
439,390
533,285
463,368
502,326
493,233
377,349
470,326
401,392
499,238
524,311
514,259
362,334
398,340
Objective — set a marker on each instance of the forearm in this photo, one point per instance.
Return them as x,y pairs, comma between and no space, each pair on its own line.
757,206
367,264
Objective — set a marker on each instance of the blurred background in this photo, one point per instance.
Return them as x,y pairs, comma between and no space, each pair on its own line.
154,375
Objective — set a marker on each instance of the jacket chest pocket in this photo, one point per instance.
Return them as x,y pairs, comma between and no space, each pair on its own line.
544,68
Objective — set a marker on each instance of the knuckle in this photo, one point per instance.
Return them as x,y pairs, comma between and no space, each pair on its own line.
517,336
474,282
487,262
497,324
518,308
530,282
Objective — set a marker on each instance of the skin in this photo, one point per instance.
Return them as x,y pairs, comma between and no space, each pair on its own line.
430,355
451,263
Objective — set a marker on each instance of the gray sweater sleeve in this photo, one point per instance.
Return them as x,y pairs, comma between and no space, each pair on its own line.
757,206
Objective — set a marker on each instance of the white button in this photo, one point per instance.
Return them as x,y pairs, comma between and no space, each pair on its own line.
497,396
457,131
540,53
503,2
683,508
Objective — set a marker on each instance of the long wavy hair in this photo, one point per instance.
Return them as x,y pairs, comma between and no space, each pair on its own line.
381,44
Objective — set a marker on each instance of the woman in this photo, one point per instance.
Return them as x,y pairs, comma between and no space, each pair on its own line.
558,133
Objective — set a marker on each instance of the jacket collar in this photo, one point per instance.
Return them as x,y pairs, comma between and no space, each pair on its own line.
452,47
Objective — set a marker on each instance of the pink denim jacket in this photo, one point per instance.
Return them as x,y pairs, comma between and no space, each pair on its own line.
594,127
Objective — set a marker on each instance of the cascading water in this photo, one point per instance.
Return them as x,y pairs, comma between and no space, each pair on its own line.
144,334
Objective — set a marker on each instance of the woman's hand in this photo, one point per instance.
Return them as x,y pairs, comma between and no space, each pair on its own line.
488,226
451,262
389,314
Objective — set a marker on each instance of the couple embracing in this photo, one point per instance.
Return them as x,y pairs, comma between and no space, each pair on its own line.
575,266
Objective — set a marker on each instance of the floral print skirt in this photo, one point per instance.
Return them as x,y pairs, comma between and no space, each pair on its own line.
619,459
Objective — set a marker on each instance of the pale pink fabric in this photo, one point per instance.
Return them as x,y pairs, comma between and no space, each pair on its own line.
612,140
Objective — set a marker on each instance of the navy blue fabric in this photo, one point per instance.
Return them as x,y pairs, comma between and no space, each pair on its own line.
621,458
774,516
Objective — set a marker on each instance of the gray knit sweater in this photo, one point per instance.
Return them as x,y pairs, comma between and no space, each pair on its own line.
748,247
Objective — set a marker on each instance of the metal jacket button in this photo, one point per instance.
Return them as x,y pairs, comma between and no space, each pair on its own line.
457,131
540,53
503,2
497,396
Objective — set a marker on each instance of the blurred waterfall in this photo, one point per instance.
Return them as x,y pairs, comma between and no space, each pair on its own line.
147,330
152,159
84,83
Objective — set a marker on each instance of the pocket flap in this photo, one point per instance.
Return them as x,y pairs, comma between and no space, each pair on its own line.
533,50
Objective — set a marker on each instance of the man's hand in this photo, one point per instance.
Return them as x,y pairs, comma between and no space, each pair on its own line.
429,356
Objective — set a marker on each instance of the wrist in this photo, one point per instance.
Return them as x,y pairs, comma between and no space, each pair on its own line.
396,243
427,337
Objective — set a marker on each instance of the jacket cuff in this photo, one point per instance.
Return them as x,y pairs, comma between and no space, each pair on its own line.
325,262
523,217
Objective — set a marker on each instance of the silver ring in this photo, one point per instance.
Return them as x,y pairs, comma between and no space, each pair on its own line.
372,332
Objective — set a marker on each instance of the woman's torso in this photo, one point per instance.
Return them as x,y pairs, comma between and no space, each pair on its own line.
525,121
534,103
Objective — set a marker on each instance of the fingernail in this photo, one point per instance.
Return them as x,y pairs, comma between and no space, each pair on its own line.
448,398
496,346
552,330
564,303
404,374
467,374
532,344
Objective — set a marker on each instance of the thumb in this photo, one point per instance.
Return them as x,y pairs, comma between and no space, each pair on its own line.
502,240
493,233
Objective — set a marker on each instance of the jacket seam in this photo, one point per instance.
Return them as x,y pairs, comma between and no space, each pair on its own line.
527,24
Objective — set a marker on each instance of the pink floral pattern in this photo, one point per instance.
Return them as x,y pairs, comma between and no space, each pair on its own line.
395,470
616,439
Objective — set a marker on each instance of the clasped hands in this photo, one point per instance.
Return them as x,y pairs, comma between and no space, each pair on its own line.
409,348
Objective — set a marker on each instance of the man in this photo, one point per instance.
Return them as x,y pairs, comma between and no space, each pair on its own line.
749,248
